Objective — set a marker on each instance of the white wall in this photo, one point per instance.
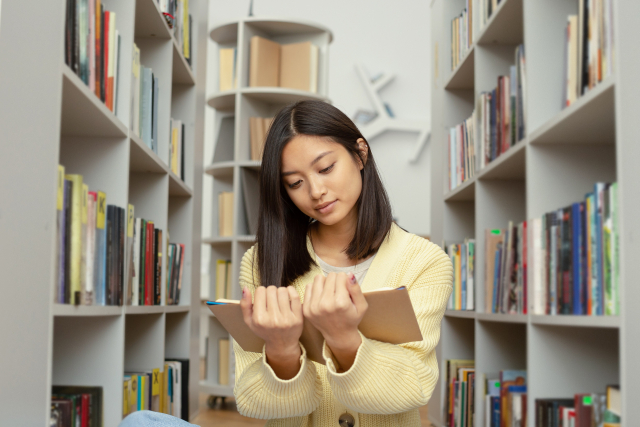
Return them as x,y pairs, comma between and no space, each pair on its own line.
389,36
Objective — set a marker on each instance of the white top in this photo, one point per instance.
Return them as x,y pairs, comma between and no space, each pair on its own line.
359,270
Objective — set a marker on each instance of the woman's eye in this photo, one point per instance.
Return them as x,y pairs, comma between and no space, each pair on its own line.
327,169
295,184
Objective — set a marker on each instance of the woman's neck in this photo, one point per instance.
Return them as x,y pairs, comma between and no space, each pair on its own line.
330,241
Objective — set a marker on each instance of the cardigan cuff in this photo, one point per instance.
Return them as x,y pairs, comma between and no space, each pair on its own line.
290,386
361,370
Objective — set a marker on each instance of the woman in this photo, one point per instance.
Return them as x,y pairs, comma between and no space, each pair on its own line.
325,234
324,211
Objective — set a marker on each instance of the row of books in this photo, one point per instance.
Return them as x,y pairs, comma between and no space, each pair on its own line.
164,390
293,66
92,48
460,402
91,245
589,48
501,112
146,265
505,399
575,258
487,9
506,269
461,147
585,409
181,24
144,102
258,129
463,259
176,148
223,279
461,34
73,406
175,268
251,200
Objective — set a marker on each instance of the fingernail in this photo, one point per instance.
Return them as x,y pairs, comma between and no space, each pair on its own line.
352,278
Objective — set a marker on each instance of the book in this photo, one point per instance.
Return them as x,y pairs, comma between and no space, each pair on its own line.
90,241
389,318
299,66
225,213
60,236
251,198
75,256
227,69
223,361
264,62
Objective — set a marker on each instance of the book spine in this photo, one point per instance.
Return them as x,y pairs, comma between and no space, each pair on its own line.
157,268
121,250
143,262
180,271
135,280
106,48
76,238
112,58
60,232
148,291
89,295
129,269
101,249
576,245
109,257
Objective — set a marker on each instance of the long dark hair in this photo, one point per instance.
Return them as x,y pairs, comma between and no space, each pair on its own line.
282,227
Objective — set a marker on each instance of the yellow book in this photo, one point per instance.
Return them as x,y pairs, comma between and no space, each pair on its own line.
125,396
223,361
221,279
59,238
155,390
174,150
85,246
225,213
226,69
76,238
185,30
133,394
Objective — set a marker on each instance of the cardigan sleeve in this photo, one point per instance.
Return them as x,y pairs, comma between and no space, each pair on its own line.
388,378
258,391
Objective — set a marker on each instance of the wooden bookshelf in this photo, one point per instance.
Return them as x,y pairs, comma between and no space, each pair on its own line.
232,150
564,152
54,118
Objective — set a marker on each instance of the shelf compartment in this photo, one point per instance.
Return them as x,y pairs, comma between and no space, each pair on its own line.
223,101
505,25
88,352
462,76
83,114
68,310
500,317
463,192
578,321
461,314
180,228
182,72
143,159
144,342
589,120
224,139
177,187
509,165
149,20
177,335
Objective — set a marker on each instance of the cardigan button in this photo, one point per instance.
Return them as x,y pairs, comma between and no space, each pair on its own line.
346,420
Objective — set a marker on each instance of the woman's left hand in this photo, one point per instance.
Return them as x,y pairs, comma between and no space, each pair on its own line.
335,305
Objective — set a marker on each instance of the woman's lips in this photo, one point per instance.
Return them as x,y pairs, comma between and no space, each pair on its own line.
328,208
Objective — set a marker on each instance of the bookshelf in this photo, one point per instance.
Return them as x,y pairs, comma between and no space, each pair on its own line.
54,118
232,165
564,152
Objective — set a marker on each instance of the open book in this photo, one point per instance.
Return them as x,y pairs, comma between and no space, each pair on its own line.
390,318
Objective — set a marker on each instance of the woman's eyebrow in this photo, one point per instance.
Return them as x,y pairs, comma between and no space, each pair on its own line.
316,160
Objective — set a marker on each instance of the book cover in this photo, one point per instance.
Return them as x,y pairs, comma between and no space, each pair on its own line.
101,249
509,378
607,253
492,238
76,238
264,62
297,61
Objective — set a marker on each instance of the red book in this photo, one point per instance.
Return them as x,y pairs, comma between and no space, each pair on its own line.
583,406
148,291
105,48
84,420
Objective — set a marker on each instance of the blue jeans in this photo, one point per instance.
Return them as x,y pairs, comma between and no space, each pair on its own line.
153,419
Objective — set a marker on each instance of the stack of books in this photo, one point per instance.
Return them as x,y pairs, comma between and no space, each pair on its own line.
175,268
575,260
144,102
176,148
501,112
293,66
589,48
463,258
506,400
460,380
91,249
146,264
584,409
506,269
163,390
487,8
258,129
462,152
73,406
92,48
461,34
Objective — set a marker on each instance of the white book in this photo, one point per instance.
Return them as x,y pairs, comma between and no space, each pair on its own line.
471,243
90,243
112,47
135,111
536,256
135,294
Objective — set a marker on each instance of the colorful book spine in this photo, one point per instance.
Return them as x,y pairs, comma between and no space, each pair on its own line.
101,249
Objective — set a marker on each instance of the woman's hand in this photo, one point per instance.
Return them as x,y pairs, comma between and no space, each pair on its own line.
335,305
276,317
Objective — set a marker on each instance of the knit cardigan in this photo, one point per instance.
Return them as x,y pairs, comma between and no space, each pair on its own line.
387,383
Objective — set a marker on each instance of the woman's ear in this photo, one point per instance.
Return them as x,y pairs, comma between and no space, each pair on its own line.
363,147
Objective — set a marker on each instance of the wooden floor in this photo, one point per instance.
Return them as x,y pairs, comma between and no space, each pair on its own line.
227,415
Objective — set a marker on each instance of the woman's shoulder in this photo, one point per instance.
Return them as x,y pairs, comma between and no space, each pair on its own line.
415,246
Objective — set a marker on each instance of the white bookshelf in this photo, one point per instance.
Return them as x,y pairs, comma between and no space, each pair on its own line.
232,160
565,151
53,118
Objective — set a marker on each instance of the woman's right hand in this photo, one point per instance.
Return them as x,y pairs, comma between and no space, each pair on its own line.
276,317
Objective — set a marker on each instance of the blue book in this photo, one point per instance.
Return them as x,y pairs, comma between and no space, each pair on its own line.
577,211
495,411
146,92
101,250
496,278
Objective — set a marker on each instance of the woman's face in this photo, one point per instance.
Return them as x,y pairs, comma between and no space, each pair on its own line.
322,178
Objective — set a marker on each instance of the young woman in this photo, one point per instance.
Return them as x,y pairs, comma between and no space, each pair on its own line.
325,234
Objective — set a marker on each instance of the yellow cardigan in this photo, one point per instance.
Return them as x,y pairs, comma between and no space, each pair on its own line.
387,383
